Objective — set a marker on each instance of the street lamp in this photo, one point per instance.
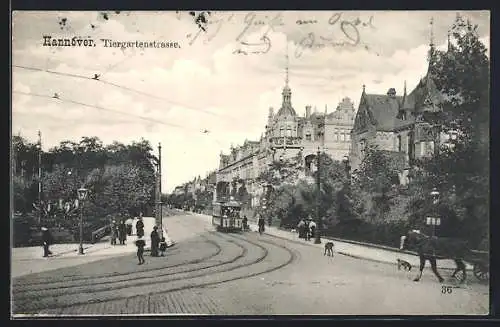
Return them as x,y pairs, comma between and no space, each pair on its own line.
346,165
82,196
317,239
434,221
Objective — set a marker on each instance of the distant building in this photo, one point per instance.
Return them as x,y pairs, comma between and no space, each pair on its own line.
287,136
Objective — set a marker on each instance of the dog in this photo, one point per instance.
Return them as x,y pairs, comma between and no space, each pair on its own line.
405,264
329,248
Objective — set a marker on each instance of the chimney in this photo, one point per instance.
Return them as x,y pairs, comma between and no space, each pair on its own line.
391,93
271,112
308,112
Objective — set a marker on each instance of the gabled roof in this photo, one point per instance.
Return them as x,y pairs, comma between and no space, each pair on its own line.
384,110
425,97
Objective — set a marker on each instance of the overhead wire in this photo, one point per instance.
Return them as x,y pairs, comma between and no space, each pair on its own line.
148,119
123,88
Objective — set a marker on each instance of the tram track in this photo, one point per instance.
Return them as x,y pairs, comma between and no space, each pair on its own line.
251,255
139,278
20,284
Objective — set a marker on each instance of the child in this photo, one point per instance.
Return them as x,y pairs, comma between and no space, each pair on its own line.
140,243
163,246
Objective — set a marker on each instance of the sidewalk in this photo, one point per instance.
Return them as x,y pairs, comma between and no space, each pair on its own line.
29,260
371,252
357,250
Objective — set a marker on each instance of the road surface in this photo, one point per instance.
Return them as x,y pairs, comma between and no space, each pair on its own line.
213,273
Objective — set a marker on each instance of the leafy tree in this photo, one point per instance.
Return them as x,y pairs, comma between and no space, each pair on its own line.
374,183
460,173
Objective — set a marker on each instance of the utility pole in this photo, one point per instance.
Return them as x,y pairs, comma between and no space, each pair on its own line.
317,239
159,188
39,177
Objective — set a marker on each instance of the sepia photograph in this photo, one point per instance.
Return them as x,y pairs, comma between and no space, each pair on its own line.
256,163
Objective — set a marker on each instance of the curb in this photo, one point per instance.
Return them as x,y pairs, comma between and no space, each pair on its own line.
352,255
370,245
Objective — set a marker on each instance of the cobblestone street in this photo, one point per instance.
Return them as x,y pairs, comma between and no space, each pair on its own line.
214,273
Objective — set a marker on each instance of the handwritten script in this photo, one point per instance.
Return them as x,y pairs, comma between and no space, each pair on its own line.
350,35
340,32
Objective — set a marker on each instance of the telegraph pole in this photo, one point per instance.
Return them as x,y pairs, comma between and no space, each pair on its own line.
39,177
317,239
159,187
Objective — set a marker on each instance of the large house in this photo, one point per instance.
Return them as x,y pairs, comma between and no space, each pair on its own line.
399,125
287,136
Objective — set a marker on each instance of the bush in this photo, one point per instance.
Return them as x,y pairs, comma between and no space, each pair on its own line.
387,234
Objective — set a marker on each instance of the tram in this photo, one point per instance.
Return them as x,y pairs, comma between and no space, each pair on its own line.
226,216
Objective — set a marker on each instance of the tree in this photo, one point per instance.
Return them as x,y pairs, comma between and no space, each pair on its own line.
374,183
460,173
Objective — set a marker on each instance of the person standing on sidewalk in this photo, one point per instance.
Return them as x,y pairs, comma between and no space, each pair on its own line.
140,243
163,246
129,223
301,227
139,226
155,241
114,232
122,232
47,240
312,228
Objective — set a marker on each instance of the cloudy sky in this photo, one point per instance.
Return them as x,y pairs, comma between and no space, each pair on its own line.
171,95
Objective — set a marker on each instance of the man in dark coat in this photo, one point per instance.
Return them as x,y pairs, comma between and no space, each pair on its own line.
261,224
47,240
122,232
155,242
139,226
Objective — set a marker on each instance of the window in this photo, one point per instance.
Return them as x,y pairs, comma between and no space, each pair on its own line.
362,145
308,136
400,145
337,136
289,132
282,131
348,137
342,136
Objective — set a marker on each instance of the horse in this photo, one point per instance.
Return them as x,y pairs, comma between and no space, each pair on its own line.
431,248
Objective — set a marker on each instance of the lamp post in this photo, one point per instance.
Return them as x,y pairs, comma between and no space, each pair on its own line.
347,166
39,146
160,208
317,239
82,196
434,221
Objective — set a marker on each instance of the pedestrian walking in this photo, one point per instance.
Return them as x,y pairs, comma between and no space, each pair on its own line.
114,232
307,230
139,226
122,232
140,243
261,224
245,223
155,242
312,227
163,246
301,226
47,240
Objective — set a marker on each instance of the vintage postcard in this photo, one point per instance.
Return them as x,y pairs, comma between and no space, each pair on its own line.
250,163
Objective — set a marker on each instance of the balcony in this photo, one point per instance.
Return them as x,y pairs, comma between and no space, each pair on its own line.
288,141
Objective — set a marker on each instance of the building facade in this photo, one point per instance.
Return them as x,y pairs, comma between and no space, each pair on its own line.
400,125
287,136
